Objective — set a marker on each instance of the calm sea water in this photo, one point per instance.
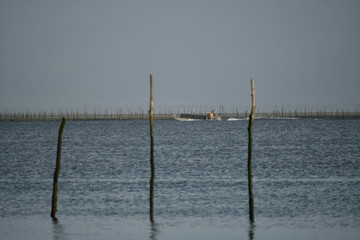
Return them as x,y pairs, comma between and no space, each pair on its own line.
306,180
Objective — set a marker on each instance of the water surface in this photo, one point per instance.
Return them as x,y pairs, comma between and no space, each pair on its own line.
306,180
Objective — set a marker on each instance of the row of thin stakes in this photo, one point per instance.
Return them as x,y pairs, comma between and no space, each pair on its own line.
152,160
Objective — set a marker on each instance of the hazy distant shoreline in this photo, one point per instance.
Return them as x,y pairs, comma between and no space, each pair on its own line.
44,116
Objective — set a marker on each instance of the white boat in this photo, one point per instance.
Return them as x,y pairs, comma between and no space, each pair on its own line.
186,119
237,119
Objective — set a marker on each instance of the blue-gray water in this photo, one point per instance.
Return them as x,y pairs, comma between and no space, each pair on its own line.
306,180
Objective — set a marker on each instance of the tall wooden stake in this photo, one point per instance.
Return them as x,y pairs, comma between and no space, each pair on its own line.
57,170
152,161
251,120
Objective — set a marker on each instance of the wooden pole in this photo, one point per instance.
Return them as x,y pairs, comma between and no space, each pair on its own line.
57,170
152,161
251,120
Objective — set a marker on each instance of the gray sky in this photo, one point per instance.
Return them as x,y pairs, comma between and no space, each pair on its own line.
99,53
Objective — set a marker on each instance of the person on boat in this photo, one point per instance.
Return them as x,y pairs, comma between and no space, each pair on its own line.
211,115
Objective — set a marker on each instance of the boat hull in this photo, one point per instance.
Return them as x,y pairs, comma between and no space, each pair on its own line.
196,117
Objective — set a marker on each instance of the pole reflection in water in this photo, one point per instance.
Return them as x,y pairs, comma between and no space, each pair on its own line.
251,231
58,230
153,231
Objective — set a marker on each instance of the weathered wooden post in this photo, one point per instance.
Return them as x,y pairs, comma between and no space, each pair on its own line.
152,161
251,120
57,170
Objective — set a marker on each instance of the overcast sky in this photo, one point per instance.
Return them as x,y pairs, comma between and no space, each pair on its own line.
99,53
